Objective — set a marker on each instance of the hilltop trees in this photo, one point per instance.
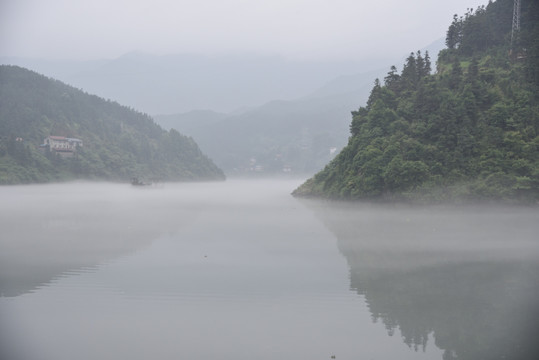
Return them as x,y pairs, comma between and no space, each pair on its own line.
469,131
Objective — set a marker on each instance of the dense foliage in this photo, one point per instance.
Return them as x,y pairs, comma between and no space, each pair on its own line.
119,143
469,131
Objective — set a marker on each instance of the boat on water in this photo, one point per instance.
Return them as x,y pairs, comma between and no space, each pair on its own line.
135,181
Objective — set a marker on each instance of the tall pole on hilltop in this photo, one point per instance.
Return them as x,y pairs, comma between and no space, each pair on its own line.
516,21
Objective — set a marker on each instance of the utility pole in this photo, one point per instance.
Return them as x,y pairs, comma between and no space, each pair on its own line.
516,22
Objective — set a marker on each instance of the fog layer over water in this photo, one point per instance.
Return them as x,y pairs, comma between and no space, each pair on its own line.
241,270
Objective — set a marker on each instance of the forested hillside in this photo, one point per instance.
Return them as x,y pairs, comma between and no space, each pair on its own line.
468,131
118,143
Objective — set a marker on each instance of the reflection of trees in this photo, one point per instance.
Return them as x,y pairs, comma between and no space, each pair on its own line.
474,310
478,301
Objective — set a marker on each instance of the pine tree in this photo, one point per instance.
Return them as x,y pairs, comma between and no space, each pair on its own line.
420,65
428,66
454,33
409,72
391,81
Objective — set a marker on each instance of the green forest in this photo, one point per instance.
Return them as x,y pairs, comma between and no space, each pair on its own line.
119,143
464,131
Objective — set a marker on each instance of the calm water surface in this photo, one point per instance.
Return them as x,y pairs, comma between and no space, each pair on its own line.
241,270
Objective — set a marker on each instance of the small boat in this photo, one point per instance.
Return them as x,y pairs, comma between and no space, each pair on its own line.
137,182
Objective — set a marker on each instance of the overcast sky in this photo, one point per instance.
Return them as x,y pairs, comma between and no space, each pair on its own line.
295,29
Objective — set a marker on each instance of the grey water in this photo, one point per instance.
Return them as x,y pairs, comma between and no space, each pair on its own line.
242,270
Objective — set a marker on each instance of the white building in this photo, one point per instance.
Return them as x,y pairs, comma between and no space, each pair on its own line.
62,145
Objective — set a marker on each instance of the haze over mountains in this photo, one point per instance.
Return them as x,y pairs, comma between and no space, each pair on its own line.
50,131
179,83
278,115
183,82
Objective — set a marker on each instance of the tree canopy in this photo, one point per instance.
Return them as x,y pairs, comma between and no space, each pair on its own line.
468,131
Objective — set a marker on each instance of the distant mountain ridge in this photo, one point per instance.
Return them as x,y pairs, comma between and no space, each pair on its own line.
288,116
192,122
117,143
296,136
179,83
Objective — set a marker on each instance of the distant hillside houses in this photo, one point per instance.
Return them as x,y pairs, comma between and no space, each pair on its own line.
61,145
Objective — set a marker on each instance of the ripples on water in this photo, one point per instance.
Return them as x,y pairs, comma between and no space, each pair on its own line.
241,270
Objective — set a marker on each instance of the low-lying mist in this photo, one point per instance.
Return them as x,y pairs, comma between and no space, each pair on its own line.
465,276
49,229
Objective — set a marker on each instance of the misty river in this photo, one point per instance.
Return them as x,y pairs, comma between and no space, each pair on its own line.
242,270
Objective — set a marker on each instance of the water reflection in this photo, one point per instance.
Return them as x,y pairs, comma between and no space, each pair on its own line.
235,270
241,270
468,276
49,230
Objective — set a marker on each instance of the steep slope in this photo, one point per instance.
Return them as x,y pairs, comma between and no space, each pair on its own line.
118,142
470,131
